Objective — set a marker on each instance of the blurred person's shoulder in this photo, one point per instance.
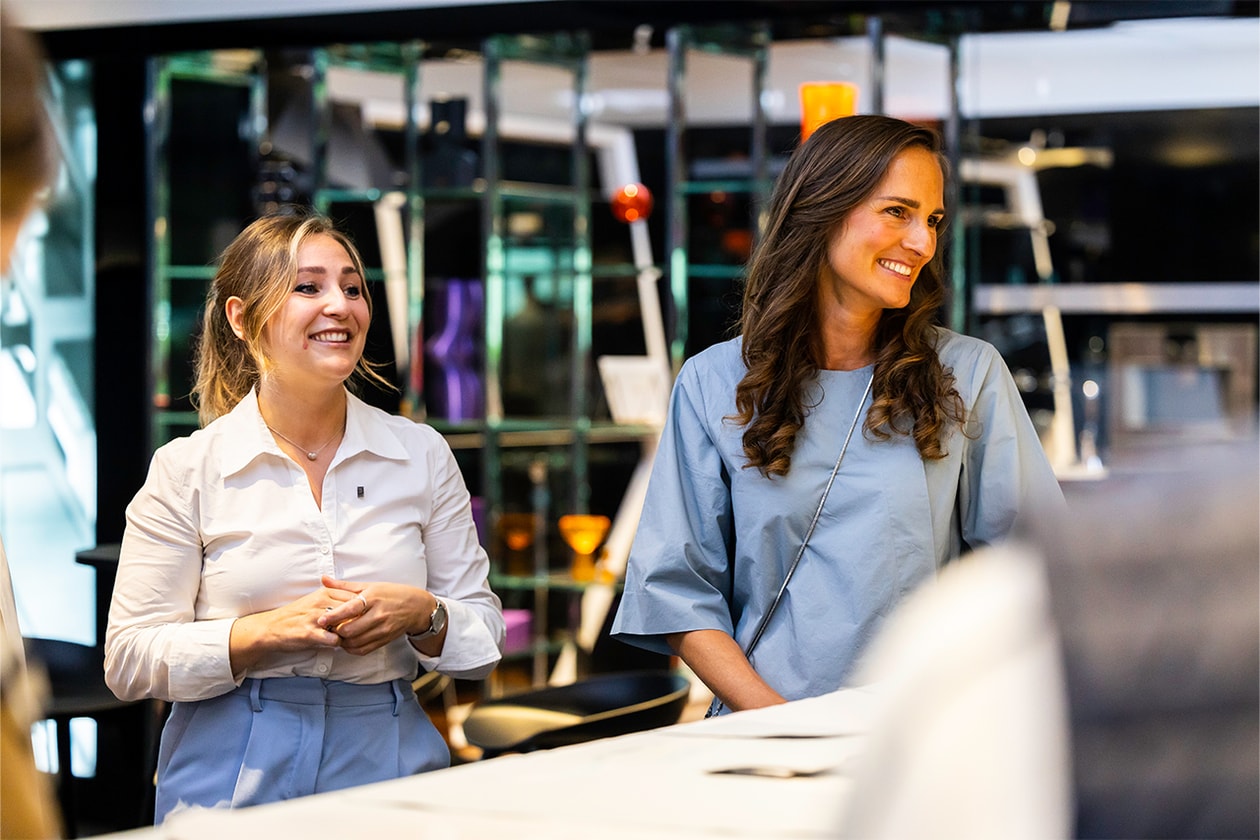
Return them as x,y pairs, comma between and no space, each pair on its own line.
1153,590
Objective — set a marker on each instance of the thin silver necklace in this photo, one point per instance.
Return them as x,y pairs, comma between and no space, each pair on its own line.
311,454
717,705
857,416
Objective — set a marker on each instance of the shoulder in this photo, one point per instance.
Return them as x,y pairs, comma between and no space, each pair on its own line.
976,365
964,352
384,432
707,381
719,363
180,463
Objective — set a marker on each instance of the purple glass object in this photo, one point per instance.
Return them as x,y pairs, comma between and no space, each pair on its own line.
478,504
453,360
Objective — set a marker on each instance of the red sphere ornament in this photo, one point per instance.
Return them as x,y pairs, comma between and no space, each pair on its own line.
632,203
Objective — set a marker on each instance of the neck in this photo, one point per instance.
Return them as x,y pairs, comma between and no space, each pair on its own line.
846,332
847,346
308,418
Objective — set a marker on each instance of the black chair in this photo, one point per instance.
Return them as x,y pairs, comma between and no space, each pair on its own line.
589,709
76,678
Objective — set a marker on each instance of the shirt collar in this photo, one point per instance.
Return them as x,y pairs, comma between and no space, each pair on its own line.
244,435
365,432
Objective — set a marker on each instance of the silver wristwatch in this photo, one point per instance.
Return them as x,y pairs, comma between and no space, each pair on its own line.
437,623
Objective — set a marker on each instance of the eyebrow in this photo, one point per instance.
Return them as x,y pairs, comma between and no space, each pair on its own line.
909,202
319,269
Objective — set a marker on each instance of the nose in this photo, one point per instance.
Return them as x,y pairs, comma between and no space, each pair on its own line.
336,303
921,239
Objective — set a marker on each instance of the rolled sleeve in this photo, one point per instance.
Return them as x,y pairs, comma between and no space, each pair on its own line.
679,574
1006,477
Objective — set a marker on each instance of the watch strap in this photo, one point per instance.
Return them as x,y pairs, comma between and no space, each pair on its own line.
437,621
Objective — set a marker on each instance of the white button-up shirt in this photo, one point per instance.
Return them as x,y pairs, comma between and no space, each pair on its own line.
226,526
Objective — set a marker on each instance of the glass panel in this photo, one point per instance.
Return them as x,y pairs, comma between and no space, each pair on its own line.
538,482
718,174
188,299
47,422
211,168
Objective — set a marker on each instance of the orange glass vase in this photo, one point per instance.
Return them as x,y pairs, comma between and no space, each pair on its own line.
584,533
823,102
517,531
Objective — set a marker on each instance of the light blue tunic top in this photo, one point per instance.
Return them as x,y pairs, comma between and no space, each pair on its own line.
716,538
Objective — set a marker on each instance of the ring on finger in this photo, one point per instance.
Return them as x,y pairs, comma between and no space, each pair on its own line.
359,595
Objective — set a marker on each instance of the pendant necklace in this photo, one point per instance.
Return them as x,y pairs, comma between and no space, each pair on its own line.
311,454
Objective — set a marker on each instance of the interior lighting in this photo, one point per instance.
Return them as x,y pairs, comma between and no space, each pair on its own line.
823,102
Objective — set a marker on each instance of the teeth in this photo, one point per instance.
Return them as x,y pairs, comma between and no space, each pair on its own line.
331,336
900,268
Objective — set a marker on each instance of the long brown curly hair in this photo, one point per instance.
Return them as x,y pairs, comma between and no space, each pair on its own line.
833,172
260,267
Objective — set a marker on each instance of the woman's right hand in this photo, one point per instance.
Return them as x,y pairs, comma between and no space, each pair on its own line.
292,626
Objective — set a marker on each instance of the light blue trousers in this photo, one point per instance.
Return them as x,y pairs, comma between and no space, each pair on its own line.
277,739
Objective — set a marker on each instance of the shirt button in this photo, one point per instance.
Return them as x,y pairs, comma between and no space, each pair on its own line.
323,549
323,669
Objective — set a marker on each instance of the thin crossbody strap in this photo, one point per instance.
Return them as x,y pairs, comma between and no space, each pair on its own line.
774,605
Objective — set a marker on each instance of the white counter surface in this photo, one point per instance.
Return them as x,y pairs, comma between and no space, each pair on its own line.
659,784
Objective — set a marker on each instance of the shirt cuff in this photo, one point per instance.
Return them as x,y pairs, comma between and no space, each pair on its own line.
471,650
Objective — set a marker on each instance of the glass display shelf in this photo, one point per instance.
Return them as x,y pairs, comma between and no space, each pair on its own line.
205,273
715,271
556,193
189,272
747,178
333,195
553,581
618,270
231,67
207,116
595,433
387,57
1118,298
725,185
552,193
167,419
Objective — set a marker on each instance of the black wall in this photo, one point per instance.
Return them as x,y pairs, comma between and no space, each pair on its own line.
123,297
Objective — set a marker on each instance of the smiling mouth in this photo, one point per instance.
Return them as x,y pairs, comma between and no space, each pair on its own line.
897,267
332,336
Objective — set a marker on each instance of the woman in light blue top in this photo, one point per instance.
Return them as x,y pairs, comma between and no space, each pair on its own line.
838,343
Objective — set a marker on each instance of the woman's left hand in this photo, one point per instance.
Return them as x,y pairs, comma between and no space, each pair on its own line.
375,614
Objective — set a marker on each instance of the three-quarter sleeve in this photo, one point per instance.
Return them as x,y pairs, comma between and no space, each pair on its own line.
679,576
1005,476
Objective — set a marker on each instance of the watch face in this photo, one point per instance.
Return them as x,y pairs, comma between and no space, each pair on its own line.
439,619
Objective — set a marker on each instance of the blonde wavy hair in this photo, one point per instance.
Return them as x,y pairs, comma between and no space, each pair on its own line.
260,267
827,177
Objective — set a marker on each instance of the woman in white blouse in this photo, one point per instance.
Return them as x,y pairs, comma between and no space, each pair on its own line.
287,569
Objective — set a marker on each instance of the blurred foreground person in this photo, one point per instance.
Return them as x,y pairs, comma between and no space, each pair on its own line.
28,164
1102,682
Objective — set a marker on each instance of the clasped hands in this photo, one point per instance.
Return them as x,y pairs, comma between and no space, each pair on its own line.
356,617
362,617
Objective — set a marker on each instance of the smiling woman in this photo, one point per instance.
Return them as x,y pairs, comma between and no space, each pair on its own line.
293,565
762,478
874,257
